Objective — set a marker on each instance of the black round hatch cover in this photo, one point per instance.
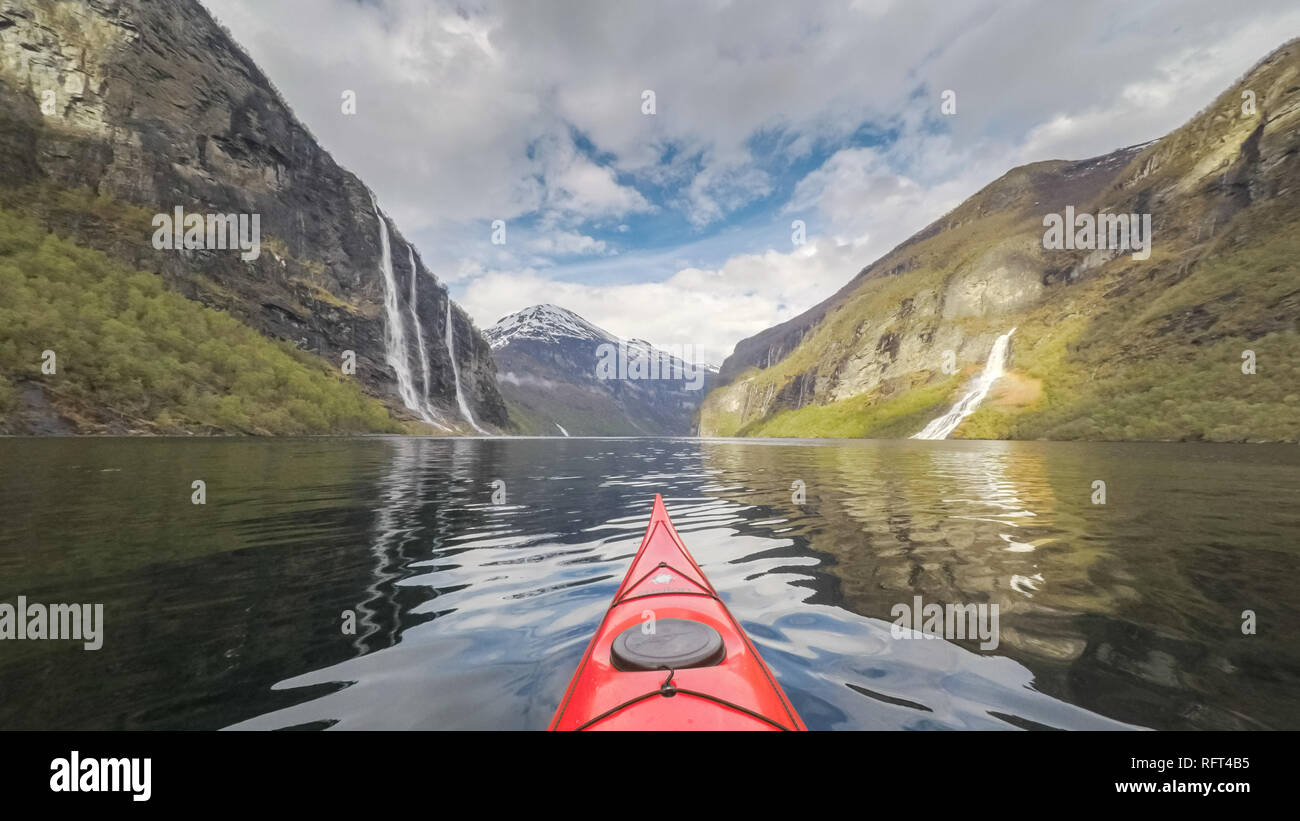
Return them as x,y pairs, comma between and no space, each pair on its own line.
675,643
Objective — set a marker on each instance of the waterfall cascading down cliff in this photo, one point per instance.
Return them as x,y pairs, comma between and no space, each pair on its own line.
419,337
455,371
943,426
394,333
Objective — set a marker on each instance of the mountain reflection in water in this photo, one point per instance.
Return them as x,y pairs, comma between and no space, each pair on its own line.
471,614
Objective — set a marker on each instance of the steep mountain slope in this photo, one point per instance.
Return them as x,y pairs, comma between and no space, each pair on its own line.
549,362
113,111
1107,346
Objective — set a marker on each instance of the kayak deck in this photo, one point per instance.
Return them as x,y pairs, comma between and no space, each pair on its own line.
664,583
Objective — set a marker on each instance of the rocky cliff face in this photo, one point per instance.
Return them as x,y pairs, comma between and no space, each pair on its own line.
549,362
154,105
1097,328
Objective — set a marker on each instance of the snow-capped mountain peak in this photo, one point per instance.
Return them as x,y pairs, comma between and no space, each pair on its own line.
544,323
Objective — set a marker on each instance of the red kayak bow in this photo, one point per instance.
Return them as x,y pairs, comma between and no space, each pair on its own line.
669,656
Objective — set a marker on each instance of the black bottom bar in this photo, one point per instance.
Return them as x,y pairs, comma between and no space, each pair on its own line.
535,770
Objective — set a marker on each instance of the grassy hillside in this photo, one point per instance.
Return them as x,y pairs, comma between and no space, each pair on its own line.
1122,366
865,416
1142,369
162,363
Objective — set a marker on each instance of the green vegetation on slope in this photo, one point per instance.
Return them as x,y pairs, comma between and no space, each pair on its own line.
863,416
1168,367
85,212
1202,397
127,346
1140,352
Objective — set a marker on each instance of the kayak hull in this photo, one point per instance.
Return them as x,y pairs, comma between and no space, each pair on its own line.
664,582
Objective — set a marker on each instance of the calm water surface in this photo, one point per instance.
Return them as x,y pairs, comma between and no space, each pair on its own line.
474,615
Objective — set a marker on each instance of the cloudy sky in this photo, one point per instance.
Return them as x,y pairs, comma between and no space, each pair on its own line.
676,226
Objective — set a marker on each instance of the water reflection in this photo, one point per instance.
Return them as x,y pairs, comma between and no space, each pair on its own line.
472,614
1108,605
894,522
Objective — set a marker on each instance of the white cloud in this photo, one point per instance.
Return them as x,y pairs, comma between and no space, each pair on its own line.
1151,104
566,243
721,187
578,188
857,198
709,308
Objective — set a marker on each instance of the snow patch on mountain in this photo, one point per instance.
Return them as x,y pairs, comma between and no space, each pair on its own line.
544,323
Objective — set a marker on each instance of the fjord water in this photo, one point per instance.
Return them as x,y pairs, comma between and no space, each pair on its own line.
471,614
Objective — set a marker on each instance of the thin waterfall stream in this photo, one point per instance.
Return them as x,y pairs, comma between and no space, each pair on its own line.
942,427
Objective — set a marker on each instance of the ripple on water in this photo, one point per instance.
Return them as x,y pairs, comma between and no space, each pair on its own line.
474,615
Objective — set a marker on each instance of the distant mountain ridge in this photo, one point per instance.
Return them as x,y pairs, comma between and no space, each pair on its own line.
559,375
